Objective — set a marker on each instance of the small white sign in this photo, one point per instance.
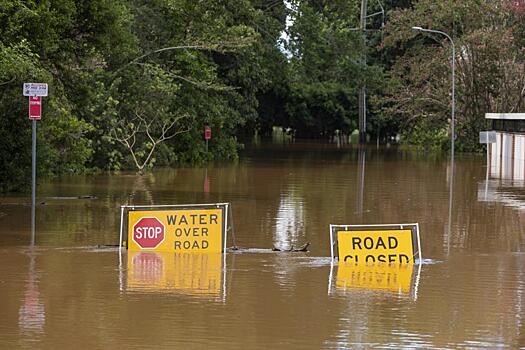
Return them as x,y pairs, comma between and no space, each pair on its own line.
487,137
35,89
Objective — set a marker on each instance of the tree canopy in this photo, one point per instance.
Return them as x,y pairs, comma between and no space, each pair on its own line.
133,82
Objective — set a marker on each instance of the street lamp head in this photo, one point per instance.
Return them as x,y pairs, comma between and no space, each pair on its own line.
417,28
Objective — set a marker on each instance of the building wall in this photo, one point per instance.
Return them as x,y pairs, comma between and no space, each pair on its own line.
507,156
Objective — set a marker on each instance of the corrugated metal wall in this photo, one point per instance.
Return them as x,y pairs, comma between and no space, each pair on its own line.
507,156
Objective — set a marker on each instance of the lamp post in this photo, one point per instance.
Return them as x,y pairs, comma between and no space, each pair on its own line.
419,29
451,180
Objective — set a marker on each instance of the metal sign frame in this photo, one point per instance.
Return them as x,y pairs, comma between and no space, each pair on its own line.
125,209
414,227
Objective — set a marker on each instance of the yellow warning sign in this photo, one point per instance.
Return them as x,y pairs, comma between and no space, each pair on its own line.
177,230
387,277
188,273
370,244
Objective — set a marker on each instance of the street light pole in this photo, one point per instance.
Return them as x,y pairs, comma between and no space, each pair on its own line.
453,79
451,180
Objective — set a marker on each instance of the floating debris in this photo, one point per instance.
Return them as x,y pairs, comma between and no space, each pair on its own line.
303,248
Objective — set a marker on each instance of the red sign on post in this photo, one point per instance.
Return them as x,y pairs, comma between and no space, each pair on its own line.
35,107
148,233
207,133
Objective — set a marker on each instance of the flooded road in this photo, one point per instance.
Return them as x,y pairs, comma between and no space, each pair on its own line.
73,290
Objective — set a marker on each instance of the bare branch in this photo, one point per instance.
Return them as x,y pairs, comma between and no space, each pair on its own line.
205,85
149,156
125,142
220,46
134,140
7,82
139,124
177,133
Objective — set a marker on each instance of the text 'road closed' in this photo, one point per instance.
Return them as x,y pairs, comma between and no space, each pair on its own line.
377,246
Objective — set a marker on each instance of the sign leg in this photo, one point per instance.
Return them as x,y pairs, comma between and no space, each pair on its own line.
33,184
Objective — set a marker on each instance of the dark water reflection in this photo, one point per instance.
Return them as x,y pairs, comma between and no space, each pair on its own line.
67,293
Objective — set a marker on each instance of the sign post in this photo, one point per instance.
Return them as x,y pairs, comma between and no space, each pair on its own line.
34,91
488,138
33,183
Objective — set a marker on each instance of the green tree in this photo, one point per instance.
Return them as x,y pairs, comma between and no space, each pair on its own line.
35,45
327,67
174,85
490,69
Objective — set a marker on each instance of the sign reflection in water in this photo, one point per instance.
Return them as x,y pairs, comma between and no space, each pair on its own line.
505,172
400,279
196,274
32,315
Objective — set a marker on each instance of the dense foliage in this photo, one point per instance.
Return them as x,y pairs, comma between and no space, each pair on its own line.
490,68
134,82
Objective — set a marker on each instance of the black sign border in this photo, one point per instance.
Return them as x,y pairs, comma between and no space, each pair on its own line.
126,209
414,227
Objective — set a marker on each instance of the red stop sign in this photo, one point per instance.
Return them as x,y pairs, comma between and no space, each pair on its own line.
148,233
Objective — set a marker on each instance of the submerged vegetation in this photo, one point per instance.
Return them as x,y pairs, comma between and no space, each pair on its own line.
133,83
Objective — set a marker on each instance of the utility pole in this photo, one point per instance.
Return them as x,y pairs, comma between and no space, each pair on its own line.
362,91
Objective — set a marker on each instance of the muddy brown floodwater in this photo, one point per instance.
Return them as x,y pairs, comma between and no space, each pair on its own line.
71,291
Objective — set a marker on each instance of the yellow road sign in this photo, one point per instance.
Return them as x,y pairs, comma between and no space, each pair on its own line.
366,244
200,229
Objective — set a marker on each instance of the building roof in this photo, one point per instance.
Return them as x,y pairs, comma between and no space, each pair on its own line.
505,116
